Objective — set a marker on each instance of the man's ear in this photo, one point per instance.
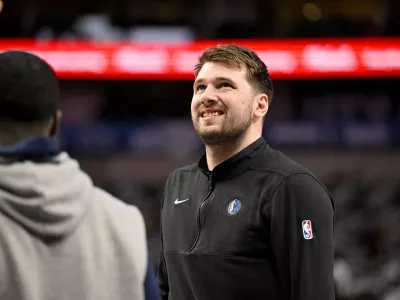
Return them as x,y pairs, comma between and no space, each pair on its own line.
55,124
261,106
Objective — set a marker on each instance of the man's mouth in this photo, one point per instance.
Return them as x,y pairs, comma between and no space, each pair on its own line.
209,114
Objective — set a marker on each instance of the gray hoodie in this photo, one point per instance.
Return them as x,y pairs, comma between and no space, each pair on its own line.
63,238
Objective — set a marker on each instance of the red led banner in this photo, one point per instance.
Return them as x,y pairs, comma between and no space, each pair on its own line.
286,59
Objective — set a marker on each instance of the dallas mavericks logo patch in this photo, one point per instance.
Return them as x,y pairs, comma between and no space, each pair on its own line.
307,230
234,207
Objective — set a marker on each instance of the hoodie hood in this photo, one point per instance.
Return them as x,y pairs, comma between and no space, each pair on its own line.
48,195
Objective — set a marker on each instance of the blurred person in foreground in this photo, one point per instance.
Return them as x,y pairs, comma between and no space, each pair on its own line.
245,222
61,237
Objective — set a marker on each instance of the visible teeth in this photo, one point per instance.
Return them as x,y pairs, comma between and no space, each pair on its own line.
211,114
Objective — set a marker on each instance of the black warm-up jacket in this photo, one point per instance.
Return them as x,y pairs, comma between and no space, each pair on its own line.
259,226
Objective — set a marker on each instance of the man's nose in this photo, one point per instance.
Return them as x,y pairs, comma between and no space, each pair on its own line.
209,96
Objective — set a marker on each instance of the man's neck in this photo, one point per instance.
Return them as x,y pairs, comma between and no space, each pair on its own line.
217,154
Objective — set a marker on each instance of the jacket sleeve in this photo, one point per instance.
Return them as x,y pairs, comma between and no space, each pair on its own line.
150,284
162,275
301,217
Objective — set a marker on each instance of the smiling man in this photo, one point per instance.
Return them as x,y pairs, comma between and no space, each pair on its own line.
245,222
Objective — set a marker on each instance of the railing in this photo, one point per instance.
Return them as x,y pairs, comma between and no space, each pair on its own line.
180,137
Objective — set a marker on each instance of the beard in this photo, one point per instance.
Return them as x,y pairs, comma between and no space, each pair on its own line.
230,130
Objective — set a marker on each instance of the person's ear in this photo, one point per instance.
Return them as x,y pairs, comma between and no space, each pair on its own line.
55,124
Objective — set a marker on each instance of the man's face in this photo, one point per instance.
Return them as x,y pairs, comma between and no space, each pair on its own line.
222,104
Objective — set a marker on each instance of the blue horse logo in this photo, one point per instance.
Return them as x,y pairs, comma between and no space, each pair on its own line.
234,207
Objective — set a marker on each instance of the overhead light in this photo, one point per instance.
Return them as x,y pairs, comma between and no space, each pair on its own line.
312,12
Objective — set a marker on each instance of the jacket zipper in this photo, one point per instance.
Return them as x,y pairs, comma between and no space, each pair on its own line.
209,174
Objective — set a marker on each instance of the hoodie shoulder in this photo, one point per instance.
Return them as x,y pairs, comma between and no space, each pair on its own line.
127,226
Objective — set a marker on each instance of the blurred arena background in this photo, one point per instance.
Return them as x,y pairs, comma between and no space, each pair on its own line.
125,69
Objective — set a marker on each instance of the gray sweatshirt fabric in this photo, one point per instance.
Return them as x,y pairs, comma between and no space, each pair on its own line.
61,238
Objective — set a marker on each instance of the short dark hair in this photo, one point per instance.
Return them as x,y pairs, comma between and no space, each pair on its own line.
29,88
239,56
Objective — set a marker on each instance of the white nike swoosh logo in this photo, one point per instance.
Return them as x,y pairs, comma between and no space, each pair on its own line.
177,200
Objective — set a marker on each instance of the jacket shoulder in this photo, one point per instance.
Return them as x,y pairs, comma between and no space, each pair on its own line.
178,173
273,161
285,168
187,168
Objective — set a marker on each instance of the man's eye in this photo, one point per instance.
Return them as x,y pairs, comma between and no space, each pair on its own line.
226,84
201,87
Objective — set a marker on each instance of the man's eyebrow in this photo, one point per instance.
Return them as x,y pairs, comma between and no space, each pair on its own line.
221,78
198,80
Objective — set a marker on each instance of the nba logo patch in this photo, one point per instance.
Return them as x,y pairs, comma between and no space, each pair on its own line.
307,230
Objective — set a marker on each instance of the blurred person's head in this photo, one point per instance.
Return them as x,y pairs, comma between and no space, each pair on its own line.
29,93
231,95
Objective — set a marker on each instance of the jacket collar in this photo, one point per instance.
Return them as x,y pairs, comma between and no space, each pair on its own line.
234,164
33,148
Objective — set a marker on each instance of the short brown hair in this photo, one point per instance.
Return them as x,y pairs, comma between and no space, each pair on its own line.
239,56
